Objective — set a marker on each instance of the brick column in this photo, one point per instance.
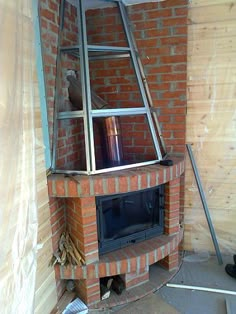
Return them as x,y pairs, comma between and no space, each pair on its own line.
171,262
172,204
136,278
82,226
88,290
171,221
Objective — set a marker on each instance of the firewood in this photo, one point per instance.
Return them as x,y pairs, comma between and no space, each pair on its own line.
67,253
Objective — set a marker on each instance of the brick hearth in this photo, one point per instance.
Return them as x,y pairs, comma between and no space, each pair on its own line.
79,218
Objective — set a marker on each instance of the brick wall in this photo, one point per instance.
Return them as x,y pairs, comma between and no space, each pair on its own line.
160,30
70,130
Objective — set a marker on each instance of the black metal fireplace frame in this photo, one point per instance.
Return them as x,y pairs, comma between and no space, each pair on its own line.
157,228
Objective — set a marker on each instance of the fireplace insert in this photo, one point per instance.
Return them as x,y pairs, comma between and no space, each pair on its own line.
128,218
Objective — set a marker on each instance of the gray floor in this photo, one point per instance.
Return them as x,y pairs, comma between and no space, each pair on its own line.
195,271
208,274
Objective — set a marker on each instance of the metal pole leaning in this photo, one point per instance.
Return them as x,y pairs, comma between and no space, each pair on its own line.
204,203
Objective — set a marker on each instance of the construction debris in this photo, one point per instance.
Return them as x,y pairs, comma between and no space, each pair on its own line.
118,285
67,253
105,286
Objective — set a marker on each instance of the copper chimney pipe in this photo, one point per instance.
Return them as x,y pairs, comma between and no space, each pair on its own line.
113,140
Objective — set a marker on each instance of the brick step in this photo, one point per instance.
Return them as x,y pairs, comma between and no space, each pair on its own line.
126,260
158,277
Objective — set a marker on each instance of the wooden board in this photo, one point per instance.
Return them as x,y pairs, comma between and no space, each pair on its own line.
213,13
45,292
211,123
23,189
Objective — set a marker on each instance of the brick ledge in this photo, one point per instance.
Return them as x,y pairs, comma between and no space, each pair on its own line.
126,260
115,182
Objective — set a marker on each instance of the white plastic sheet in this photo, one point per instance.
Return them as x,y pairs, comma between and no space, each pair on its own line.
18,207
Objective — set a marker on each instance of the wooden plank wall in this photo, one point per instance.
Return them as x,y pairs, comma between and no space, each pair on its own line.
24,209
211,123
45,291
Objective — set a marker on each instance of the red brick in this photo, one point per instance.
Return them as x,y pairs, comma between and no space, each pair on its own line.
161,69
123,266
174,59
159,14
123,185
48,14
134,183
182,30
66,271
173,77
102,270
86,202
174,21
147,42
60,188
78,272
171,230
157,32
145,25
87,220
174,182
72,188
93,298
174,41
111,186
181,11
57,272
181,50
173,3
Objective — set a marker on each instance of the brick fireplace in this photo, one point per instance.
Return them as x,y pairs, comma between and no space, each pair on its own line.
133,261
160,29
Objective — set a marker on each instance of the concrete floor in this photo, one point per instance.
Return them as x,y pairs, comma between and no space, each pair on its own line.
194,271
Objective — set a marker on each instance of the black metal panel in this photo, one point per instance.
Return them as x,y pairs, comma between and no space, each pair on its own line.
127,218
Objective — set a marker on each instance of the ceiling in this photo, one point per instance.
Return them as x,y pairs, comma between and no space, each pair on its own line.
93,4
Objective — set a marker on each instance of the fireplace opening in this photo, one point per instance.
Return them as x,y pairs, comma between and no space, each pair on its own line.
127,218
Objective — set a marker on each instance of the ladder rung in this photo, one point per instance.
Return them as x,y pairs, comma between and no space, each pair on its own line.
96,113
118,112
107,48
109,56
95,48
70,114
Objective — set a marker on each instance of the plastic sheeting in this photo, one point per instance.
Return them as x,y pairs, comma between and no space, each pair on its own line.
18,207
211,123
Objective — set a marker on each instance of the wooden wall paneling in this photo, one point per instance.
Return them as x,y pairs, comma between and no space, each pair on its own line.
45,291
23,185
211,123
213,12
202,3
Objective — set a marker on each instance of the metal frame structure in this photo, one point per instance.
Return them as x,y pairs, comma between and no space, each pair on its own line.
88,113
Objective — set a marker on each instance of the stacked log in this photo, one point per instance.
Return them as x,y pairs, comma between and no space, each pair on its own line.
67,253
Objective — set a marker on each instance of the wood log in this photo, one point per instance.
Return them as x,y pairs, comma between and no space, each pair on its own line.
67,253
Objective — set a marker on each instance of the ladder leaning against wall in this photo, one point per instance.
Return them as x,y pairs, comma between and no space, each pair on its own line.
85,53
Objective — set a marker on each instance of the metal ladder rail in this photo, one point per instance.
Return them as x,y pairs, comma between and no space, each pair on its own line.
139,78
86,90
58,85
130,35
